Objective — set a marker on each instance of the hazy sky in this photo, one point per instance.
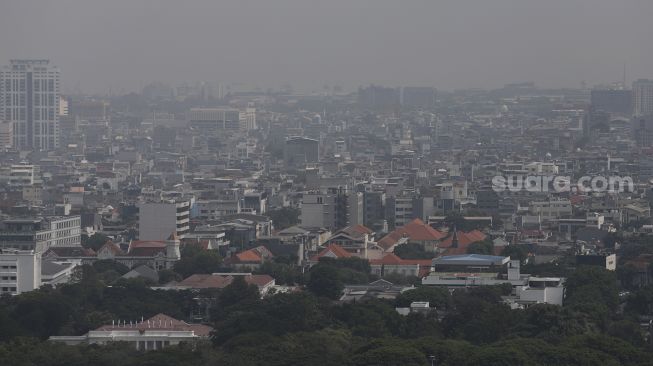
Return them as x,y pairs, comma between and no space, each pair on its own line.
125,44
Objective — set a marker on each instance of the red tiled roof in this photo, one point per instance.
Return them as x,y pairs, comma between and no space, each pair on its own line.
415,230
332,248
259,280
254,255
464,239
206,281
200,243
147,244
249,256
358,229
389,258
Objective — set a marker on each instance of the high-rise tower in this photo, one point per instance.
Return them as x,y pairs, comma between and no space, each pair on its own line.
29,99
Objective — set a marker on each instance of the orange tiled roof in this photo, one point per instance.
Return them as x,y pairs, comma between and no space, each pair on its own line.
415,230
464,239
147,244
256,255
358,229
249,256
391,258
332,248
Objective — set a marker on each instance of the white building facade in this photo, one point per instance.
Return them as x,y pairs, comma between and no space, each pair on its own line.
20,271
29,99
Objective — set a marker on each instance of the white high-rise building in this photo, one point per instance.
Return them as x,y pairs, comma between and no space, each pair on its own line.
643,97
29,99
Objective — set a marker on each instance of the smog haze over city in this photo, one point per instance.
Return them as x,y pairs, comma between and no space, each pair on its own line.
326,183
124,44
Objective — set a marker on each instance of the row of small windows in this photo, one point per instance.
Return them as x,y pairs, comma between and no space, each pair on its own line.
70,223
19,84
39,114
8,289
8,278
8,267
19,99
72,240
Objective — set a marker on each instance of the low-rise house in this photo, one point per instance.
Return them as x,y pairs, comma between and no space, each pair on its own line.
221,280
249,259
391,264
355,239
459,241
415,231
331,251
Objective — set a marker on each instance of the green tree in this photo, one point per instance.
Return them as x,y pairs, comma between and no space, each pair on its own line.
283,273
390,355
238,292
436,296
105,265
195,260
284,217
95,241
325,281
168,275
481,247
515,252
592,284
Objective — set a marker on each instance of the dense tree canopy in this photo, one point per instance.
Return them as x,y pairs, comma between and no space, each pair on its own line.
95,241
196,260
467,326
284,217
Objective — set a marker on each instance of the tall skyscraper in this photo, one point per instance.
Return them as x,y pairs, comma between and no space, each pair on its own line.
29,99
643,97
